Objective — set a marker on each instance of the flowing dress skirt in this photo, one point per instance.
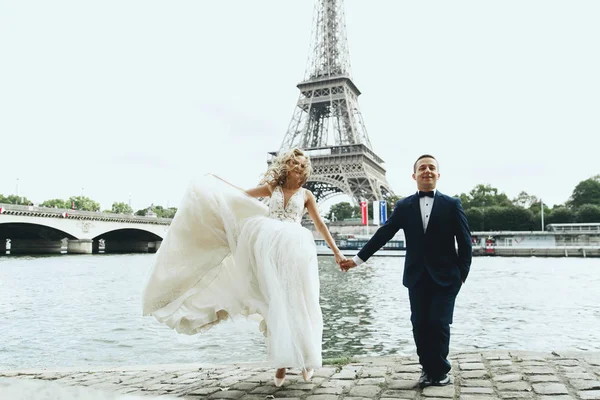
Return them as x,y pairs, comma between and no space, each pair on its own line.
223,257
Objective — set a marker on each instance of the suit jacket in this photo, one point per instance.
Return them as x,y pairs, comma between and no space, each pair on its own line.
433,251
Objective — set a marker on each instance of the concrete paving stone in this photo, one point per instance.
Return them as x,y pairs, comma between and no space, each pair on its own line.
375,372
519,386
367,391
583,376
572,370
322,397
370,381
471,366
330,390
403,376
324,372
289,393
476,383
408,368
507,378
400,394
203,391
485,390
542,378
517,395
338,383
550,388
345,375
539,371
263,390
446,392
245,386
402,384
580,384
500,363
475,374
227,394
302,386
589,395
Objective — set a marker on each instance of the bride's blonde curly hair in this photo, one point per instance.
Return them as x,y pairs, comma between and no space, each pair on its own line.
281,165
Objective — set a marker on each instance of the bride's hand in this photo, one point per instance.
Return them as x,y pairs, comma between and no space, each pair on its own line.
339,257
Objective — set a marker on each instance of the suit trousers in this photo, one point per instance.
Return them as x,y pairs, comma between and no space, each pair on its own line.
432,309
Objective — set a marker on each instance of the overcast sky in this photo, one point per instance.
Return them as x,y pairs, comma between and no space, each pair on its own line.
134,98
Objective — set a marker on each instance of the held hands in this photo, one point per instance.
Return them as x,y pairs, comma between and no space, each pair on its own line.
346,264
339,258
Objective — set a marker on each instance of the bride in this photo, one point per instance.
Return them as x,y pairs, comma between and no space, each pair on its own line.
227,254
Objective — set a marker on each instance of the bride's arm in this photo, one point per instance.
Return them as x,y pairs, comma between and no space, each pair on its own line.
311,206
230,184
260,191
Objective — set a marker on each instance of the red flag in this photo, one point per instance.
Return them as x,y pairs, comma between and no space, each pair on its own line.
1,210
363,211
65,215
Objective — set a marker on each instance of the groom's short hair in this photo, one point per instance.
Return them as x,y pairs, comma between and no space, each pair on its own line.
424,156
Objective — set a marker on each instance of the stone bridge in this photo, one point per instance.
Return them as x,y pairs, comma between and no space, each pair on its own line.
41,230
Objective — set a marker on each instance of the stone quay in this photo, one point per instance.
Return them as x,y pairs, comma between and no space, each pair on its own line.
482,375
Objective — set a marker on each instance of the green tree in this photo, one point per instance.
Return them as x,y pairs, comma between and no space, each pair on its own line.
560,215
508,219
340,211
121,208
84,203
14,199
588,213
169,212
391,204
56,203
475,218
159,211
524,200
484,196
586,192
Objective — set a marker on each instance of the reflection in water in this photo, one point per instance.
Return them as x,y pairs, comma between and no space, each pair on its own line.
85,310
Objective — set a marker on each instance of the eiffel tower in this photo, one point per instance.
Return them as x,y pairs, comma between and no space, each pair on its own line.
327,123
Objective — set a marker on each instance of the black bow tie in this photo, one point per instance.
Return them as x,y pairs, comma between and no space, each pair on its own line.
428,194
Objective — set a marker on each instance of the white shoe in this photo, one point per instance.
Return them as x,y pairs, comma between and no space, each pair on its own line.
307,374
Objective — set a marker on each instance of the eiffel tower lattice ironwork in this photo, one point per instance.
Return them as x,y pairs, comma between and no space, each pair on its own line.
327,122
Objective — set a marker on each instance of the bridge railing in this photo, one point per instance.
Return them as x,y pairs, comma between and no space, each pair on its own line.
83,214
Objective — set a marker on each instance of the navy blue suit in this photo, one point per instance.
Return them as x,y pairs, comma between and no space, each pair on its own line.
433,270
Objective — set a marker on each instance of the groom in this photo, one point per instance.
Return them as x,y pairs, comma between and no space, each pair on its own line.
434,270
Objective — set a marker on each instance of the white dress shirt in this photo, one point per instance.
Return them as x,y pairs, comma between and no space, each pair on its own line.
426,205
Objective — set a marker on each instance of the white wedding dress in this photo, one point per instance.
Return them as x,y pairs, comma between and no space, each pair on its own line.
227,254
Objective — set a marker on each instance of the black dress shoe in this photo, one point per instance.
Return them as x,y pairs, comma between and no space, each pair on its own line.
443,381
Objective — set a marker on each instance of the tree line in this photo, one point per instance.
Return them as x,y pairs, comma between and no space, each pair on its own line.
487,209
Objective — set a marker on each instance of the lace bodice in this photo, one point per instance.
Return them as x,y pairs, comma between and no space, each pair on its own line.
293,210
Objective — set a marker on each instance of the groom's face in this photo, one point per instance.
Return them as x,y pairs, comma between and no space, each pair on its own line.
426,174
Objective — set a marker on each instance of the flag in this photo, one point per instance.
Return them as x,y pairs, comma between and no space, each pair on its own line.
65,215
363,212
383,211
1,210
376,212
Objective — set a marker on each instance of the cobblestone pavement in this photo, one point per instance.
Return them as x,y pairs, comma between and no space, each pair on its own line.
476,376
